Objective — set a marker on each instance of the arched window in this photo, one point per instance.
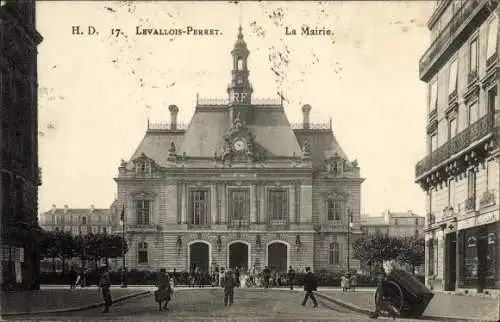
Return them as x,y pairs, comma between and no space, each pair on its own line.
240,63
84,220
334,257
142,253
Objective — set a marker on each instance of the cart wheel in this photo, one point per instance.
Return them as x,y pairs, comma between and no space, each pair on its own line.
396,295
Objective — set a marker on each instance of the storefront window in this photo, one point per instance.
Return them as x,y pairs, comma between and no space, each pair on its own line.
470,258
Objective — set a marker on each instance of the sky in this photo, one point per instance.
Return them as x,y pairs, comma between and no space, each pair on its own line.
96,92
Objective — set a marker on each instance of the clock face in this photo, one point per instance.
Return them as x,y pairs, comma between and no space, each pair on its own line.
239,145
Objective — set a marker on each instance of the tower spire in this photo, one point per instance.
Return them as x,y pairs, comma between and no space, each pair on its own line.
239,89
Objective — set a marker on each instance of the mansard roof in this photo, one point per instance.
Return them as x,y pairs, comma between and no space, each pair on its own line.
155,145
323,145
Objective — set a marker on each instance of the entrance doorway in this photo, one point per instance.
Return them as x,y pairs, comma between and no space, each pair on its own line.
277,257
199,256
451,261
238,256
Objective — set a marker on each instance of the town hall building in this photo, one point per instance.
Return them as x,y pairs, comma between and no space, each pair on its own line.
239,187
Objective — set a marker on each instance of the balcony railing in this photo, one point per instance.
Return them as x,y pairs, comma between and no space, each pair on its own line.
235,223
487,199
460,142
167,126
472,76
447,34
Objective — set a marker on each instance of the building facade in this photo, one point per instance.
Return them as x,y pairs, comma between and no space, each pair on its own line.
239,187
460,174
393,224
20,232
77,221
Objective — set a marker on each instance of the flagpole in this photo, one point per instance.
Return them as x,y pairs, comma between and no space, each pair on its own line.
124,269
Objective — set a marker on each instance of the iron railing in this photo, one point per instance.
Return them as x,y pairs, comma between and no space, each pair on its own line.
461,141
312,126
448,33
167,126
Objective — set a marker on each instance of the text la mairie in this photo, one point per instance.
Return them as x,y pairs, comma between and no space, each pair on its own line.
239,187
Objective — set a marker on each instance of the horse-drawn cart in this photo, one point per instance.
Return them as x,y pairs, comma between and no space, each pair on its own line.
403,295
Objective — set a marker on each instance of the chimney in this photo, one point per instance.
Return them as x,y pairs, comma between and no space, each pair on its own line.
306,109
173,116
53,209
65,208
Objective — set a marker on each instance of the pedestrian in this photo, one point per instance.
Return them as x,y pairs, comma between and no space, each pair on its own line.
310,285
162,294
72,276
221,277
344,283
229,284
237,276
291,276
353,282
104,285
266,275
174,277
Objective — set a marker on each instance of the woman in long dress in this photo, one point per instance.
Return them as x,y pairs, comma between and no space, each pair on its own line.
164,290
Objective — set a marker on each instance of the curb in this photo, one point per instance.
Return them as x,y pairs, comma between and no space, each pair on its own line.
361,310
76,309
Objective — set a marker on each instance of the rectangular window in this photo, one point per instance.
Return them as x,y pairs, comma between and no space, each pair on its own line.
143,211
430,267
491,48
491,174
142,253
453,128
473,56
278,206
471,190
433,96
451,193
452,85
473,113
492,101
334,257
239,206
434,142
335,209
199,207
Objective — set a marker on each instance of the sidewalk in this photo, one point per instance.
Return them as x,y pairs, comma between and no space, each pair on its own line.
55,300
443,306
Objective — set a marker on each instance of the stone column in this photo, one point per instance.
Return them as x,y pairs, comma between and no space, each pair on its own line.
263,204
184,203
258,195
297,203
291,209
213,204
253,208
223,210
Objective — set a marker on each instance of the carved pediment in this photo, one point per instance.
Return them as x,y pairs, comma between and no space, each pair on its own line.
336,194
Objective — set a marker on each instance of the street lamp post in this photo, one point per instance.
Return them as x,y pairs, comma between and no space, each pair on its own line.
124,269
349,225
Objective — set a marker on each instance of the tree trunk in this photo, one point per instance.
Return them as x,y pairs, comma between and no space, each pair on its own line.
63,263
107,263
53,263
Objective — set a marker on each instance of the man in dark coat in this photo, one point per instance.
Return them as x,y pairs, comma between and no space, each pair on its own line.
104,285
266,274
310,285
229,283
72,278
291,276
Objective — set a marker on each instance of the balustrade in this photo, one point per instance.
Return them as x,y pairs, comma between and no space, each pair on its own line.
461,141
448,34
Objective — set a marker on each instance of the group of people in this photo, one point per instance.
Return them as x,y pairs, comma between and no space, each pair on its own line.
348,282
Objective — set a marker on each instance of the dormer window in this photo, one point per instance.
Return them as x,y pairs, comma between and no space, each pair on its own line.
144,167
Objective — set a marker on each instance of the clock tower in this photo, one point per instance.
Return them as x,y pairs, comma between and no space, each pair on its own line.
239,90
